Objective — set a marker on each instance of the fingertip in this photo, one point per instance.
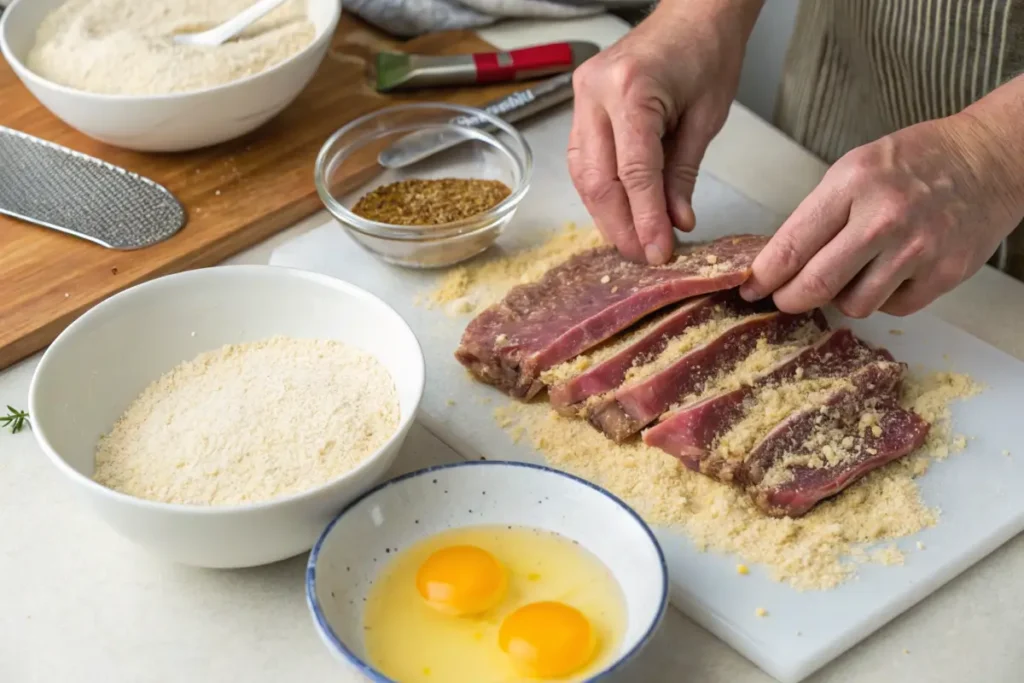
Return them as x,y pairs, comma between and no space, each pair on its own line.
749,293
655,254
682,214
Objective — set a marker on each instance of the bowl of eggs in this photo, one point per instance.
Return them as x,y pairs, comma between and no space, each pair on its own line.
486,571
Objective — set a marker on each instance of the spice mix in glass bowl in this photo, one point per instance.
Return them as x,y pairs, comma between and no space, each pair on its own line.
440,210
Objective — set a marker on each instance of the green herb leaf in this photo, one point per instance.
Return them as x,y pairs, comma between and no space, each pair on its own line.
14,419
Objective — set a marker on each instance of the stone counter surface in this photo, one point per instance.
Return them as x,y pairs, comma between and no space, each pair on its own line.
78,603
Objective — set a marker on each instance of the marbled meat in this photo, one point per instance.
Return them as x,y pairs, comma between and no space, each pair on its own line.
586,300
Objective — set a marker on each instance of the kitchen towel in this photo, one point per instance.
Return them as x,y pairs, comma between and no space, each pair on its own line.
409,18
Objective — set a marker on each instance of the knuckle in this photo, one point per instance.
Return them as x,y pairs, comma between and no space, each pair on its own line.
593,185
622,72
637,175
919,249
586,76
785,255
857,166
881,226
949,273
817,286
895,205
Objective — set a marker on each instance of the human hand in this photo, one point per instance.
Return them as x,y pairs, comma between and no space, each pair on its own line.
894,224
645,111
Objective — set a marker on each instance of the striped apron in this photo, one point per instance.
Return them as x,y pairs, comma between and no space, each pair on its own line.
860,69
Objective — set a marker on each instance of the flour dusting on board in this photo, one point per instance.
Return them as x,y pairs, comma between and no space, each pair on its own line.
817,551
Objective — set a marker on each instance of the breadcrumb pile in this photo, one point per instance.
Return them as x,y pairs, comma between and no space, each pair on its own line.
474,286
815,552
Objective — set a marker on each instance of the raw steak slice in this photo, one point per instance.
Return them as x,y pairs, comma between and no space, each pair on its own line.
690,432
611,372
636,404
870,389
793,489
587,299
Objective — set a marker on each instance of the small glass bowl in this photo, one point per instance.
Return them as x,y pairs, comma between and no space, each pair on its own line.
348,167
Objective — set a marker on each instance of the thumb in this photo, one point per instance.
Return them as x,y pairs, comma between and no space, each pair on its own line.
684,151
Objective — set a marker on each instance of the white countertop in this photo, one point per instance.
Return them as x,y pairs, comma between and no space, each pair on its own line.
79,603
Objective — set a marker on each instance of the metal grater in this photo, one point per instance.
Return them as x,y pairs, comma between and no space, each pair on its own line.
60,188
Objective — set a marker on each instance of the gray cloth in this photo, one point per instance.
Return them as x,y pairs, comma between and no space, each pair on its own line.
409,18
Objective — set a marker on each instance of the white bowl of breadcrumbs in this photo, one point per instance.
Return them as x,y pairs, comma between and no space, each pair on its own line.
221,417
112,70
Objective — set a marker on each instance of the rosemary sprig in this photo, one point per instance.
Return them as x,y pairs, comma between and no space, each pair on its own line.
14,419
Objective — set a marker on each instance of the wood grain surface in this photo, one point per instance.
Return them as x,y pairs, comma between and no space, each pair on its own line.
236,194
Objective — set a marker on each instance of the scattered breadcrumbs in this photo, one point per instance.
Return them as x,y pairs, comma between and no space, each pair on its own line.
742,569
761,612
920,546
815,552
476,285
431,201
1006,453
888,556
896,332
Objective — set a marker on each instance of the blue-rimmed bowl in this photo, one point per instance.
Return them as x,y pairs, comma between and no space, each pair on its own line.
396,514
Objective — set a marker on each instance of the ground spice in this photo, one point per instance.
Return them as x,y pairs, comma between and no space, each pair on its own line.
431,202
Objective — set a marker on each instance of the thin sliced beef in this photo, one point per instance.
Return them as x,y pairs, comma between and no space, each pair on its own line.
691,432
611,372
804,486
586,300
636,404
871,387
819,450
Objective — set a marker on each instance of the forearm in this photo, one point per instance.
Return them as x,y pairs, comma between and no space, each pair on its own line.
737,15
999,118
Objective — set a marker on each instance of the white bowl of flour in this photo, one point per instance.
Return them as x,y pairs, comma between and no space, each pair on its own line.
222,417
110,69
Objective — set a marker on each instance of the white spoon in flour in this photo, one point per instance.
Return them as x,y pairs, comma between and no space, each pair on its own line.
230,28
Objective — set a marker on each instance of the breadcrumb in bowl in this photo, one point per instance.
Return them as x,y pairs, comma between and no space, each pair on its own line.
95,369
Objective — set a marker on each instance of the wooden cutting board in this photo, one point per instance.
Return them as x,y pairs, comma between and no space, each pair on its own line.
236,194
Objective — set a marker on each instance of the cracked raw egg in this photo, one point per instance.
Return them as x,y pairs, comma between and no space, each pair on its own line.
490,604
460,580
547,639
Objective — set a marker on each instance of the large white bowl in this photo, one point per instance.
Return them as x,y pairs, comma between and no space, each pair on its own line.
396,514
102,361
175,122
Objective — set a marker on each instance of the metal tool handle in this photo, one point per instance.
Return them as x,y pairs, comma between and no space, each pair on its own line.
511,108
65,190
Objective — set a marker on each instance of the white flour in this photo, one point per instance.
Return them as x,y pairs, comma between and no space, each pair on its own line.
126,47
251,422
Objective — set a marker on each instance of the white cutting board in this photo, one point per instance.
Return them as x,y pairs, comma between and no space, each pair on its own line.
980,491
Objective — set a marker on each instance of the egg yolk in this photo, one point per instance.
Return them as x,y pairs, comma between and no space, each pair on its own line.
547,639
461,580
